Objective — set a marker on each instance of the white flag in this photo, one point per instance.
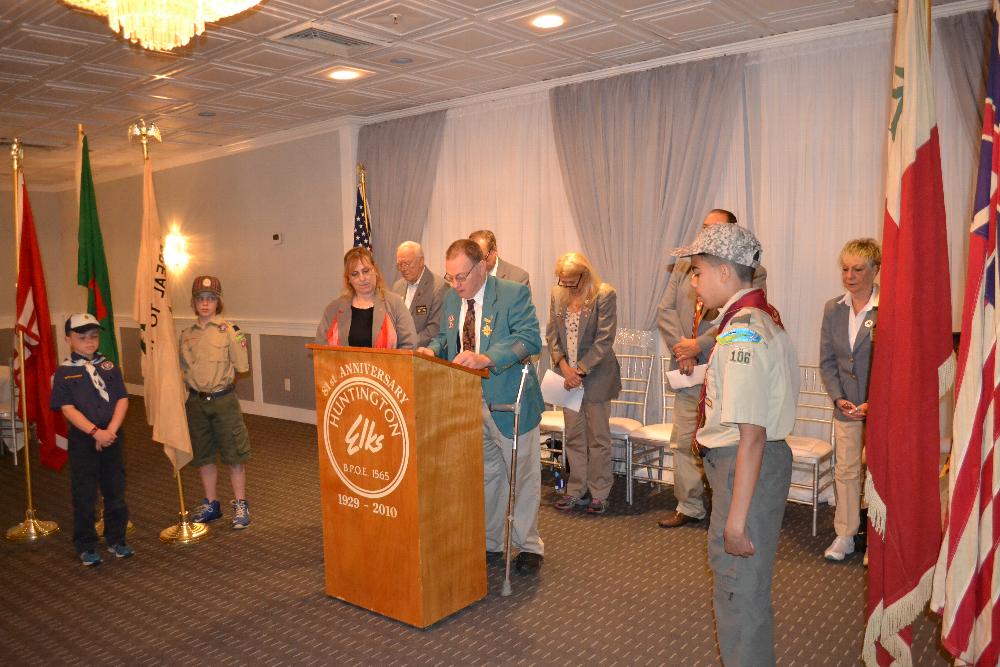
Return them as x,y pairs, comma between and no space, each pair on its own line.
161,370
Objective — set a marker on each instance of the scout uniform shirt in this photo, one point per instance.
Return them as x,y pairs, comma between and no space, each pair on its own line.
752,378
211,356
73,385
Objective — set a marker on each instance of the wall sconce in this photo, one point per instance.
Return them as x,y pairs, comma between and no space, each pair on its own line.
174,250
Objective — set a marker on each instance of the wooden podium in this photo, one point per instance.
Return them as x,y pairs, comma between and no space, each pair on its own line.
401,481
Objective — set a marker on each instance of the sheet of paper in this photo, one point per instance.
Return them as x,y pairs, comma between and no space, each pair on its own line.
553,392
680,381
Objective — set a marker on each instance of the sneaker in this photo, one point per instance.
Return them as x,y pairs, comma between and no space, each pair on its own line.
841,548
121,550
241,514
90,558
207,511
597,506
567,503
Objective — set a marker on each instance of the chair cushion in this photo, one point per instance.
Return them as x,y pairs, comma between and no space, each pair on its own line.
622,426
809,450
553,420
658,433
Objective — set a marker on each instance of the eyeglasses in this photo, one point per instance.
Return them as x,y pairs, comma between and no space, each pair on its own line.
570,285
461,277
407,264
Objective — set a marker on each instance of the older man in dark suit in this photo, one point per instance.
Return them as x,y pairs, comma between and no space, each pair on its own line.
422,291
495,266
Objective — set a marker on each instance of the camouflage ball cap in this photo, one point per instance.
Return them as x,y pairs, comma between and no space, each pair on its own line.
206,285
728,241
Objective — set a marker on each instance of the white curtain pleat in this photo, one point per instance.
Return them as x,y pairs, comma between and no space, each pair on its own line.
498,170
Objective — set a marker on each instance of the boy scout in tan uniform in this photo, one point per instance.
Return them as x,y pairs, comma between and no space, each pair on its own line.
751,389
212,352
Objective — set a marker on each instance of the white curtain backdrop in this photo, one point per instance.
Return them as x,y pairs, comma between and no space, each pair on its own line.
498,170
805,172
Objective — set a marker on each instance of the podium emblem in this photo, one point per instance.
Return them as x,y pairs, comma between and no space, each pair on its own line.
365,434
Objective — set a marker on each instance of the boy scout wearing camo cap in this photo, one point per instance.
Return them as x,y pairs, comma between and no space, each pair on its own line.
212,352
750,392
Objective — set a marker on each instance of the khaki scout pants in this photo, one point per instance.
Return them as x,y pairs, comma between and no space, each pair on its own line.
689,487
588,449
744,618
496,486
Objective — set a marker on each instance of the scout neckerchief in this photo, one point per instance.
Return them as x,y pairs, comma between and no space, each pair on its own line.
90,366
752,299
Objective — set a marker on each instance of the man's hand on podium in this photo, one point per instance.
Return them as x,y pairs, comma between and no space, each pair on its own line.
470,359
426,351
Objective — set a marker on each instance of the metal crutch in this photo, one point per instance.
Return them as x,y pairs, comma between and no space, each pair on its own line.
514,407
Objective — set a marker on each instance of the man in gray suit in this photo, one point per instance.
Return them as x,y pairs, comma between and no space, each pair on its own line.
689,334
422,291
494,265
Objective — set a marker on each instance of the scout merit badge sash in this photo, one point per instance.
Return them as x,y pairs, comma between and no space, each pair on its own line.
89,366
752,299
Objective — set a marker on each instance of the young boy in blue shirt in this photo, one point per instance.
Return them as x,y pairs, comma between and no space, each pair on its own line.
90,392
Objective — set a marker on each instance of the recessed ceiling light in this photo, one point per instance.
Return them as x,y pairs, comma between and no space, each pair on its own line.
344,74
206,114
401,61
548,21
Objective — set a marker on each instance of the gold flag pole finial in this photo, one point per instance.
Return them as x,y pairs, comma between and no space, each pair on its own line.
31,528
144,133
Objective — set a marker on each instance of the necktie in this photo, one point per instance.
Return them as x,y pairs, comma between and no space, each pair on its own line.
469,327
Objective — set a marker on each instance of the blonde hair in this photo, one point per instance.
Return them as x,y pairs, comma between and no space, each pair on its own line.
575,263
867,249
363,255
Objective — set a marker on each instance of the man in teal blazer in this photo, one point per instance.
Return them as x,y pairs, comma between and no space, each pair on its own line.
499,334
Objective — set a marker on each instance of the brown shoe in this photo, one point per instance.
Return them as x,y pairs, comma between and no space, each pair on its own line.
675,520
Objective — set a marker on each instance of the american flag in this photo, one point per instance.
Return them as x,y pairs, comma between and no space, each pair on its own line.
967,581
362,223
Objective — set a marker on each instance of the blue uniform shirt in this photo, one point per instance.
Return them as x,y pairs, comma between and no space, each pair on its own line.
71,385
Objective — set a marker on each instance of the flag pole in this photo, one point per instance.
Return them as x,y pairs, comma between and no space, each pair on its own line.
184,531
31,528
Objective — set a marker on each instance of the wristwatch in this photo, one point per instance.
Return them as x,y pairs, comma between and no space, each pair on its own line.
92,431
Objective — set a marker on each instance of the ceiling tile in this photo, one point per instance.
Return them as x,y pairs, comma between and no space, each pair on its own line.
223,75
260,20
292,88
352,98
54,46
271,58
603,41
247,102
401,86
528,57
469,40
398,18
462,71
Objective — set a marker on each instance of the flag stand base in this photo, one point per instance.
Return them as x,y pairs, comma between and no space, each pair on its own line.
184,532
31,529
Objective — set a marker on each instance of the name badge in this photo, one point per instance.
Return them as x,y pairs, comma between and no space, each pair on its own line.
421,310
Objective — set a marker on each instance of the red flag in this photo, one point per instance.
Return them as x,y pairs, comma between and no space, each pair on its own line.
912,365
39,349
967,580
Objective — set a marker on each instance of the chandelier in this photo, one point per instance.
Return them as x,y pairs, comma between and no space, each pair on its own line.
161,25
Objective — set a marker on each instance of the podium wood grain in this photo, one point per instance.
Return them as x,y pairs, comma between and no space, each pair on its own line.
412,549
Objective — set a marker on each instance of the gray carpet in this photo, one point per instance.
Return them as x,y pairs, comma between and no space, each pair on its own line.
614,590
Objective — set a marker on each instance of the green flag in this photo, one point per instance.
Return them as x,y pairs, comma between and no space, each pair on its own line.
91,265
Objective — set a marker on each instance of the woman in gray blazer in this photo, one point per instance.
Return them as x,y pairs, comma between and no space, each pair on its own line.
845,352
366,314
583,319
